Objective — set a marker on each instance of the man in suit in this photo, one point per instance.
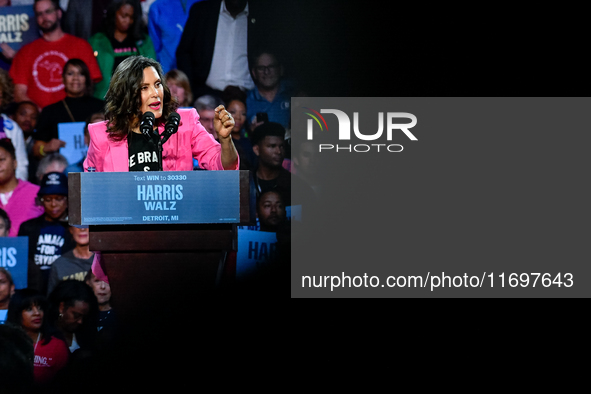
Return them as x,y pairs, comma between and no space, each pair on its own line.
216,41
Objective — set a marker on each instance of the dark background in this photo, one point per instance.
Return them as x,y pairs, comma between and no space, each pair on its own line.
355,48
476,197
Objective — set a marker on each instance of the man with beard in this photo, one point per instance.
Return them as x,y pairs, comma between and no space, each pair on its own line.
270,211
37,67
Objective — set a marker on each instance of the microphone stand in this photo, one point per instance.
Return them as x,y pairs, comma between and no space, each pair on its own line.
159,137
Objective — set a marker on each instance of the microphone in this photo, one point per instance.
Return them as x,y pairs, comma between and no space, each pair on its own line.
172,126
147,124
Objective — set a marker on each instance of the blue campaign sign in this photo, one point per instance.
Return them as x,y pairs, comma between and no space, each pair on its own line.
18,26
255,249
14,256
72,134
160,197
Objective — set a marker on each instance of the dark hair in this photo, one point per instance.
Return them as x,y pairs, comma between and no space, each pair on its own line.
55,3
6,143
232,93
84,69
4,216
69,291
24,299
6,89
134,31
268,129
16,106
124,99
260,196
258,52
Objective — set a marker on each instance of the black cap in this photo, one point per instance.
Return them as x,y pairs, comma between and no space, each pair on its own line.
54,183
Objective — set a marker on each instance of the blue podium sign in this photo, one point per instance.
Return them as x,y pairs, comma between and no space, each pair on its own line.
14,252
170,197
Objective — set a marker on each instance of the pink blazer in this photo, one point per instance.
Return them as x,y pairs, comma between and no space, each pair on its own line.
190,141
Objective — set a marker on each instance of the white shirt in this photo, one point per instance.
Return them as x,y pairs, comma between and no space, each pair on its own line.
229,65
74,345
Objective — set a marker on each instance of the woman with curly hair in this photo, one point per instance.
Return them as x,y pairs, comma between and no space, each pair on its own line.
117,144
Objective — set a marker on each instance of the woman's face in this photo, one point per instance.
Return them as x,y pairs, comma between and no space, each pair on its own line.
6,289
177,91
73,316
74,82
55,205
7,166
152,92
238,111
32,318
80,235
124,18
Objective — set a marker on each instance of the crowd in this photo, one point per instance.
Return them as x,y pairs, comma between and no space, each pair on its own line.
212,52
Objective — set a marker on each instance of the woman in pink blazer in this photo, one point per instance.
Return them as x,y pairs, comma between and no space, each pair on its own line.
117,144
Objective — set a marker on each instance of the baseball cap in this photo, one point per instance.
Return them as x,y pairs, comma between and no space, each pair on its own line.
54,183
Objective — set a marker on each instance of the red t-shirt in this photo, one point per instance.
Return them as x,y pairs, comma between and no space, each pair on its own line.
49,359
39,66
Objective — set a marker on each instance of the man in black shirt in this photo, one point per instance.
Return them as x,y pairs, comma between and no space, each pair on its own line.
268,144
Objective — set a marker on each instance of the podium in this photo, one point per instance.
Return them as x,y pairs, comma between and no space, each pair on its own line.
163,236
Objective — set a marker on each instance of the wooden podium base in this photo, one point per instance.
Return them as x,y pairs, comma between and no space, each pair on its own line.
144,283
154,272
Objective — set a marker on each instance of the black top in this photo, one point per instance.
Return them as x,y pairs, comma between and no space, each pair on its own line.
81,108
122,50
143,154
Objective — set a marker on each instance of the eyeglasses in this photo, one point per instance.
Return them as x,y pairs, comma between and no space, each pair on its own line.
56,199
46,12
269,68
